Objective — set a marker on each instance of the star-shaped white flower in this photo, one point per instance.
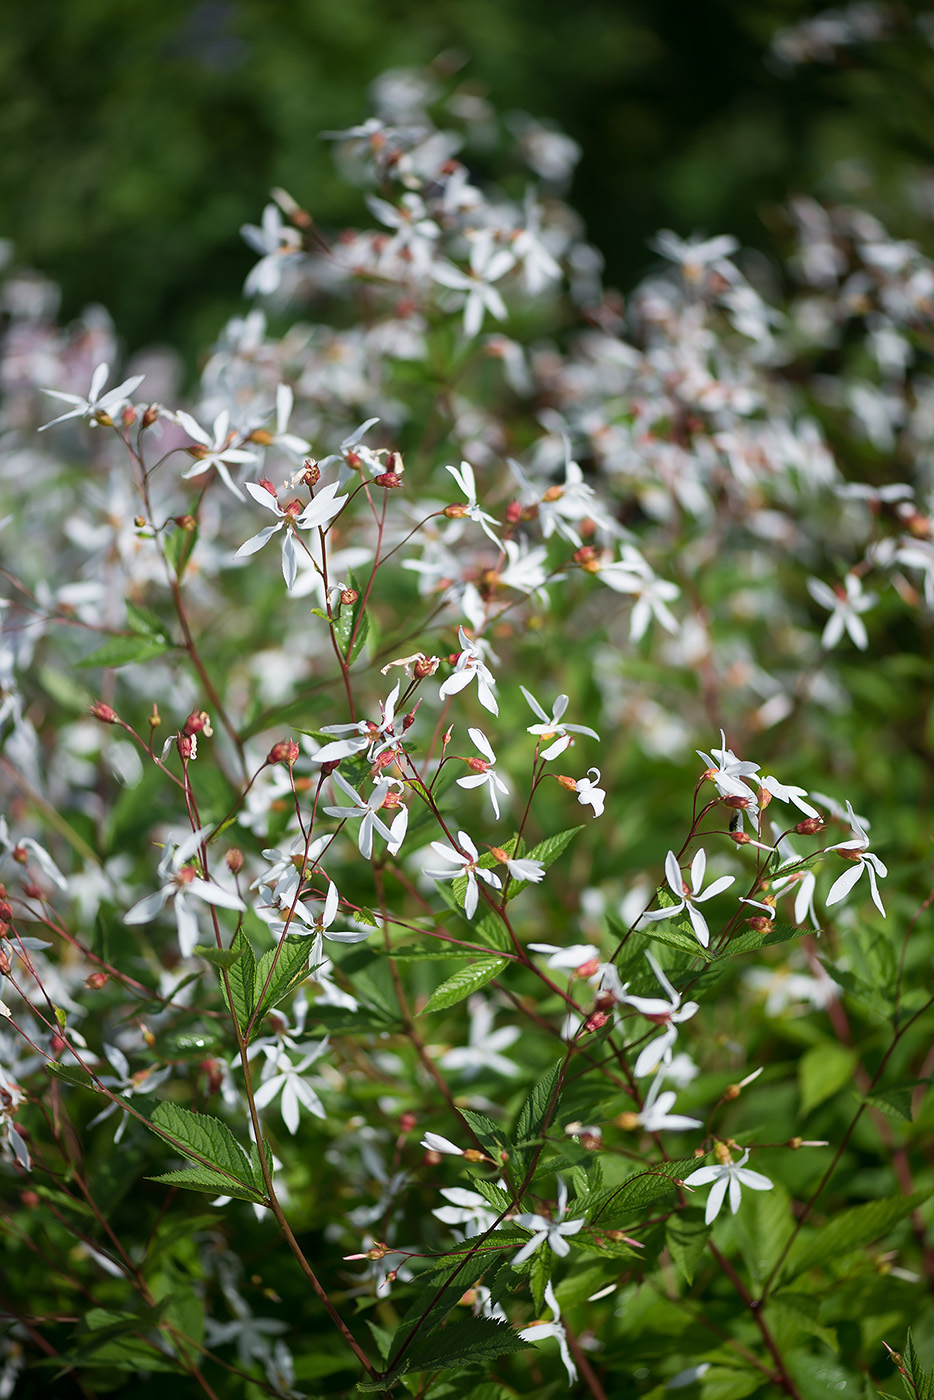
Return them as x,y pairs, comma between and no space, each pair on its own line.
552,1232
484,773
470,666
552,727
845,608
465,862
464,477
183,885
97,407
689,898
727,1176
668,1013
857,850
214,449
538,1331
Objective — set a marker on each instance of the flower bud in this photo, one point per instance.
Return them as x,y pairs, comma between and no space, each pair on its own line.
5,964
286,751
139,521
187,746
312,473
627,1121
566,782
513,513
32,890
431,1158
96,980
234,860
407,1122
455,512
810,826
261,436
348,597
128,416
198,722
722,1154
148,1036
155,719
188,523
6,912
596,1021
760,923
150,415
103,712
29,1200
389,480
554,493
741,803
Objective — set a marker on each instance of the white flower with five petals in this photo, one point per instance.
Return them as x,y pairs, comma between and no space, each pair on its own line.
688,899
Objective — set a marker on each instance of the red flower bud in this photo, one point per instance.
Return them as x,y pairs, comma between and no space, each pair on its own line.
388,479
286,751
103,712
95,981
810,826
234,860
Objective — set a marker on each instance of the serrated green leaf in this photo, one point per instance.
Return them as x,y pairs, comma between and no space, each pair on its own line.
287,971
621,1202
537,1112
547,852
918,1375
463,1343
203,1179
492,930
675,937
435,952
206,1140
490,1134
121,651
241,978
72,1074
894,1103
823,1071
686,1241
850,1230
791,1315
467,980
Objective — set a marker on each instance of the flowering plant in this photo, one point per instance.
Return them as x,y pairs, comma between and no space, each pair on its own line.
308,943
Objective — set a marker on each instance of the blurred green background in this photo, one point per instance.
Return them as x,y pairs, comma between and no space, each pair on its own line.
135,139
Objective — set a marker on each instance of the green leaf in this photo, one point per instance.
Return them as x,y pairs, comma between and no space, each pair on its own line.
179,545
537,1112
918,1377
849,1231
547,852
290,968
490,1134
206,1141
121,651
220,957
146,623
64,689
462,1343
621,1202
729,1383
492,929
894,1103
467,980
203,1179
791,1315
686,1241
241,977
72,1074
823,1071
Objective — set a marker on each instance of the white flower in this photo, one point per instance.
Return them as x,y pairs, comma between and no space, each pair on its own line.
467,1208
484,775
669,1014
589,794
551,726
182,885
487,265
729,773
532,871
470,666
126,1084
465,479
434,1142
538,1331
566,959
656,1115
726,1176
281,1076
483,1047
465,863
857,850
368,734
364,812
320,924
551,1231
277,243
97,406
213,451
786,793
689,899
633,575
845,609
